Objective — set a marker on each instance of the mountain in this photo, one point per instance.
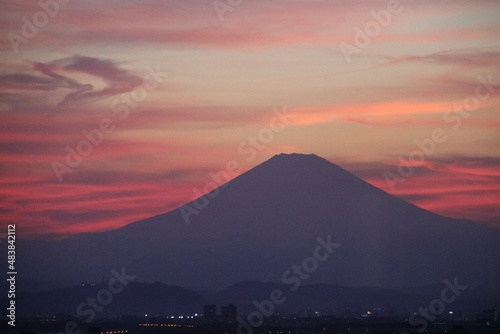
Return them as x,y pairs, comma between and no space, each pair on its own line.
158,299
260,224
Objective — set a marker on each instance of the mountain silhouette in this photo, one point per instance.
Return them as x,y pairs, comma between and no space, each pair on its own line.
137,299
158,299
260,224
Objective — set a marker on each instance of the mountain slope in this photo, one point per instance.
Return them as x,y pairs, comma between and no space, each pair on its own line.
259,224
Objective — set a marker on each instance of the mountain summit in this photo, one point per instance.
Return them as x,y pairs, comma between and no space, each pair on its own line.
256,226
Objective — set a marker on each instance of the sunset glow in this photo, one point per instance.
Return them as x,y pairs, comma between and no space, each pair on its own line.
114,111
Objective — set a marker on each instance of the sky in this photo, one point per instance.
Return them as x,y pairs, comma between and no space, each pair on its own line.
115,111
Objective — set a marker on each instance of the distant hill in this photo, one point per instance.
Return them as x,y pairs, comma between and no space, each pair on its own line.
155,299
160,300
336,300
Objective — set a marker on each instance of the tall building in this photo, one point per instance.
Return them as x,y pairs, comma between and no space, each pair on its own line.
490,315
210,311
229,312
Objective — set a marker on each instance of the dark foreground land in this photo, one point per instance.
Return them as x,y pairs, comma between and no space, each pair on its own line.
271,325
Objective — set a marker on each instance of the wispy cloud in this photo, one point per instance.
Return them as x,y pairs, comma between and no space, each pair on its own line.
455,186
224,79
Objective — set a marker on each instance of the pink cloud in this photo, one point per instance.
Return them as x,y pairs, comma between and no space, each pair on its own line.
458,187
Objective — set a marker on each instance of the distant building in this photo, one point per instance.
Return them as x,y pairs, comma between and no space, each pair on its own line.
490,315
229,312
303,313
210,312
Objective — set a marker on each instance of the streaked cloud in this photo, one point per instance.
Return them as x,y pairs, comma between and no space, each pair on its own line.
225,79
